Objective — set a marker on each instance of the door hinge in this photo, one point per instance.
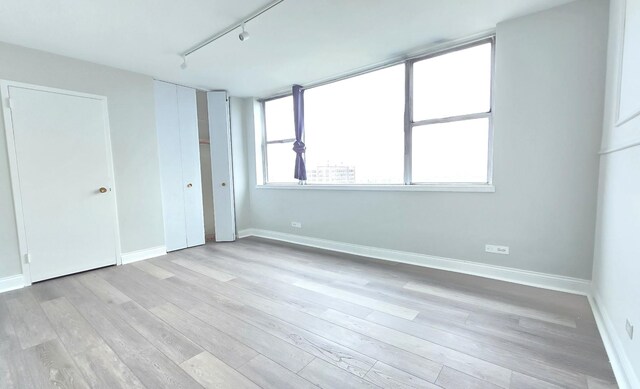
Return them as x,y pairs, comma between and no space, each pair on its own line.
10,103
27,258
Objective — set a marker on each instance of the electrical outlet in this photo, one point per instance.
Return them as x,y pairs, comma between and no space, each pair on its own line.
629,329
490,248
296,224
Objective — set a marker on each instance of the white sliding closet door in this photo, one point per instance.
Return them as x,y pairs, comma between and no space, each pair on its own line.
222,168
177,126
191,178
170,154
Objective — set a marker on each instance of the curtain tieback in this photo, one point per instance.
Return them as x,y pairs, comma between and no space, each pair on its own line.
299,147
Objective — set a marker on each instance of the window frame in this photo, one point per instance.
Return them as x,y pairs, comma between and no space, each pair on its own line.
409,125
265,143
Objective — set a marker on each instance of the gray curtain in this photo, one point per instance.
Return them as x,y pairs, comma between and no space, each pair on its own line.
298,146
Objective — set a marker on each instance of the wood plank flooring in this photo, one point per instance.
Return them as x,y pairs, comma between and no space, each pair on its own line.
261,314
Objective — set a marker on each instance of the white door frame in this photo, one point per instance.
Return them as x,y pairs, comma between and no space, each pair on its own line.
15,177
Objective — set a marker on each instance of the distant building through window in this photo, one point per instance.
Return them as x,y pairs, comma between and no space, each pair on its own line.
332,174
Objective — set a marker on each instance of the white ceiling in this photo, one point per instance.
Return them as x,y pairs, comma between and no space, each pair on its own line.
299,41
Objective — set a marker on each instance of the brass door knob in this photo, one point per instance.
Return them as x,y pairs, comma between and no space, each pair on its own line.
103,190
189,185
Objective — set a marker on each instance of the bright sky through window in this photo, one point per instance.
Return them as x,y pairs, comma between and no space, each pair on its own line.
457,83
357,123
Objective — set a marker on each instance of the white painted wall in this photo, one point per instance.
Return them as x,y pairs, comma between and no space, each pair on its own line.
548,112
616,271
135,154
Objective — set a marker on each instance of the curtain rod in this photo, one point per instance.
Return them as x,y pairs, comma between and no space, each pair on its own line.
230,28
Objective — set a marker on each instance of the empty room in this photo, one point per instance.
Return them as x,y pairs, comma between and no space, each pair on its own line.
292,194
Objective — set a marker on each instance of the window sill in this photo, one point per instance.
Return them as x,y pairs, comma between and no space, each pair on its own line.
472,188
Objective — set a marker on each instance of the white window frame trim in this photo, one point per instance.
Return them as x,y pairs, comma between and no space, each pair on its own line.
409,124
265,143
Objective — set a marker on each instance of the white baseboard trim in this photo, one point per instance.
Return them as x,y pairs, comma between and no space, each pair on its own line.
141,255
524,277
17,281
246,233
11,283
622,367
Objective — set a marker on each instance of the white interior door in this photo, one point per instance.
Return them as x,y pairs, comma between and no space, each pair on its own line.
222,168
63,180
191,178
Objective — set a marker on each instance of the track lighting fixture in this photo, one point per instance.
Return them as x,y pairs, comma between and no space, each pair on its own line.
244,35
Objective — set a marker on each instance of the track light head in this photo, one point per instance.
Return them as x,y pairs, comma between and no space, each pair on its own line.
244,35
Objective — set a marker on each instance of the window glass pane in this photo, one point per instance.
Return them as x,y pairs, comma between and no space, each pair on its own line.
453,84
354,129
278,115
281,162
451,152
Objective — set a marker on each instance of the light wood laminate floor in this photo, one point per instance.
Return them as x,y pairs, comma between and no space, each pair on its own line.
256,314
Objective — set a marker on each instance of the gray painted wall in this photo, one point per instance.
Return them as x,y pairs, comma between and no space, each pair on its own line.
133,136
549,103
617,252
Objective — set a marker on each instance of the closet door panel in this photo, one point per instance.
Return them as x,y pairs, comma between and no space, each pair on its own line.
222,166
170,149
190,152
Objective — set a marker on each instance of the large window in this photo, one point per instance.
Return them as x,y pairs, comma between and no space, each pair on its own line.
451,106
426,121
